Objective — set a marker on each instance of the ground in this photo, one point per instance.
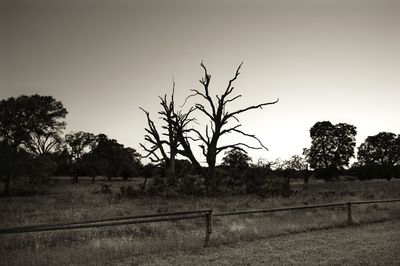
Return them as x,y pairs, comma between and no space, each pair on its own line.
286,237
370,244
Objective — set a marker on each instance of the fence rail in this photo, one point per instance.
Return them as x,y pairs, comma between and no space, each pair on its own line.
206,214
95,221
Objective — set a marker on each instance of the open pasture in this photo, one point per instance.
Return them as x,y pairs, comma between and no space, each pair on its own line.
67,202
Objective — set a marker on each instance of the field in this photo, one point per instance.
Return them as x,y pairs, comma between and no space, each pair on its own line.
371,244
183,239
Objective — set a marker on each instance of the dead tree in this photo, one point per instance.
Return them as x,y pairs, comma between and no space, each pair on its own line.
182,131
216,110
157,153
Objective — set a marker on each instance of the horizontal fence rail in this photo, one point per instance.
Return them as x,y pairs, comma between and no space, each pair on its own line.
207,214
95,221
97,225
280,209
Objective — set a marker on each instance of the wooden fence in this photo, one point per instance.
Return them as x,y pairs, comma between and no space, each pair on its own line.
206,214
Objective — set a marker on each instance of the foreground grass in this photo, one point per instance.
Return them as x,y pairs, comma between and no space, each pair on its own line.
105,246
371,244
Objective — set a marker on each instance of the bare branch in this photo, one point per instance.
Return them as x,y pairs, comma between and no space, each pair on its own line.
250,108
237,146
250,136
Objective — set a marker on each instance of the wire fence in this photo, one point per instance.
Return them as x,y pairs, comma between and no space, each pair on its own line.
206,214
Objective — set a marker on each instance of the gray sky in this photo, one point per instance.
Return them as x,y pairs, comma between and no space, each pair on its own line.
326,60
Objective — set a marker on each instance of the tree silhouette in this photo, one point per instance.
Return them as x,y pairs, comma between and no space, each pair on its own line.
382,149
216,110
29,123
332,146
299,164
164,145
236,159
111,159
77,144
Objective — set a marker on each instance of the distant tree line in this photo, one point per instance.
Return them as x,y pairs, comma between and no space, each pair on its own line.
32,145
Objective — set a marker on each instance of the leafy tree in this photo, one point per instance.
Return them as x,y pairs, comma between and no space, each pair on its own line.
382,149
236,159
23,121
77,144
298,164
378,157
332,146
112,159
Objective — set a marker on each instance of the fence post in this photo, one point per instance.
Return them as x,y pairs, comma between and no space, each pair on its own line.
208,227
349,217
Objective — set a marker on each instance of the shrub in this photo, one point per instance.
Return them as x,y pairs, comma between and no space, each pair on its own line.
274,186
130,192
191,185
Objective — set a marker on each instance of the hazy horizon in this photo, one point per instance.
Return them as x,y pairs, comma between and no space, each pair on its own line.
324,60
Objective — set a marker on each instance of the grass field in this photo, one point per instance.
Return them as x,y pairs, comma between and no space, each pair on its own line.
368,244
105,246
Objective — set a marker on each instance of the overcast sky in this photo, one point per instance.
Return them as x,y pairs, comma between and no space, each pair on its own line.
333,60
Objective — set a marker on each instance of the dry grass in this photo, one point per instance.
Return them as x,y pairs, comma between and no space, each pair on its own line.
103,246
370,244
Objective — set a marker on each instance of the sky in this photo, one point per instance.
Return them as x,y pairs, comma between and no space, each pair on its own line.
336,60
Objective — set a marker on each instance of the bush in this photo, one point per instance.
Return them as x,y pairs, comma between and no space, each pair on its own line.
28,186
129,191
327,174
191,185
275,186
367,172
255,179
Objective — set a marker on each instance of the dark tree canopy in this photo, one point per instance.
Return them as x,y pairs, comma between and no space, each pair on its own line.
28,123
236,159
27,119
382,149
112,159
78,144
332,146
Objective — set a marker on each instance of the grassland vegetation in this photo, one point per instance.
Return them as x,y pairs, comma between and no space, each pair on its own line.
101,246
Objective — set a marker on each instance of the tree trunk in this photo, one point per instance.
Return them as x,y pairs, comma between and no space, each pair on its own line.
7,185
93,179
306,179
171,172
212,176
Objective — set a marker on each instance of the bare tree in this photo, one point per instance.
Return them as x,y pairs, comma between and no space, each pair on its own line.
216,111
157,153
182,130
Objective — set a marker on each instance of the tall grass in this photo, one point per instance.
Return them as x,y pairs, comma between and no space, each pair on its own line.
103,246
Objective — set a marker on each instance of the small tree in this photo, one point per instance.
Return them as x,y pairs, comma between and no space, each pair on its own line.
77,144
299,164
236,159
